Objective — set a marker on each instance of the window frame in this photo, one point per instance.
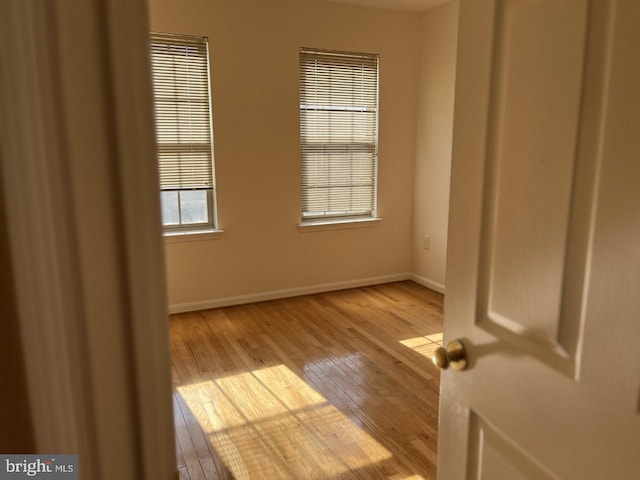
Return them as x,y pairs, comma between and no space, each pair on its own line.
211,224
319,218
196,227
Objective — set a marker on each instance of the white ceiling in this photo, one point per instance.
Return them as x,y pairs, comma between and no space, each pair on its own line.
405,5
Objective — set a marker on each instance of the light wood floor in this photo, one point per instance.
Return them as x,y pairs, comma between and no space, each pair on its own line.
334,385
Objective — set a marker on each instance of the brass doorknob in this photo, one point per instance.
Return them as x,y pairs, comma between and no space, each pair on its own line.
453,356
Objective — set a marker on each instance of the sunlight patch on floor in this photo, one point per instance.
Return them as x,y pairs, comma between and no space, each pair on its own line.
424,345
269,423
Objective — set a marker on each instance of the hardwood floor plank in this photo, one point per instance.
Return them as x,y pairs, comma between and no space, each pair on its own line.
199,442
333,385
192,463
183,473
236,440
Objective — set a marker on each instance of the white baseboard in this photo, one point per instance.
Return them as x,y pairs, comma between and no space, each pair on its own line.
425,282
289,292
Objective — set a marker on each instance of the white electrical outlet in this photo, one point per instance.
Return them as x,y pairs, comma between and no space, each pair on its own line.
426,242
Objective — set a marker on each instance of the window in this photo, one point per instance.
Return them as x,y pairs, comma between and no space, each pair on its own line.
338,134
180,71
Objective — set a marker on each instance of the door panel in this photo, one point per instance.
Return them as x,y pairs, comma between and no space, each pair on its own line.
493,456
544,235
538,59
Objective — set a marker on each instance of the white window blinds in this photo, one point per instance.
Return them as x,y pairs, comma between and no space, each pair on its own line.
180,71
338,133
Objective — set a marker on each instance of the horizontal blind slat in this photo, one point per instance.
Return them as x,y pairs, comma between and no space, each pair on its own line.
338,132
180,74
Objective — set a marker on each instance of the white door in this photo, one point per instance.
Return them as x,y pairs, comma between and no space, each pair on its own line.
543,274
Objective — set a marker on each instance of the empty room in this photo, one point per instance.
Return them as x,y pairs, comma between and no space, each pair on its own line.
290,239
325,205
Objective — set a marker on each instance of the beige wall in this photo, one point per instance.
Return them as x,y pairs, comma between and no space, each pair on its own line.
438,40
254,53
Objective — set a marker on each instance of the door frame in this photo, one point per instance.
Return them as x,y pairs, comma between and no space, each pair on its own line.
83,223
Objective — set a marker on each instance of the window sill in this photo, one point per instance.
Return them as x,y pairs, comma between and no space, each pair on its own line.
318,225
192,235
